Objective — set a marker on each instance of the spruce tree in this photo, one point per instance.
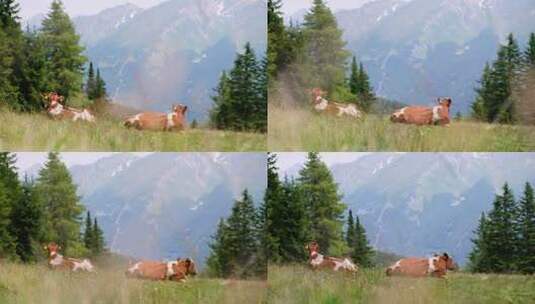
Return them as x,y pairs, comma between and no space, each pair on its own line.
325,55
100,86
97,238
350,233
221,114
502,239
272,202
322,204
362,252
478,261
90,87
65,62
88,232
366,96
7,241
529,54
277,50
27,223
8,92
218,262
354,80
32,72
61,204
526,231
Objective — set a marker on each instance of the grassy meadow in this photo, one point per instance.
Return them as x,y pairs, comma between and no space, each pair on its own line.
37,132
298,284
292,129
38,284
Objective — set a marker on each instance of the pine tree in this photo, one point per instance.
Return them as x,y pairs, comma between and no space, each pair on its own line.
526,231
65,62
8,93
365,95
501,233
277,51
7,242
194,124
88,232
218,262
354,80
27,223
221,114
362,252
61,205
350,233
325,55
478,255
529,55
272,202
10,49
90,87
100,86
322,204
97,238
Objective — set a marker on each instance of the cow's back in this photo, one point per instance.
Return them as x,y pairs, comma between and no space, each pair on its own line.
150,121
153,270
416,267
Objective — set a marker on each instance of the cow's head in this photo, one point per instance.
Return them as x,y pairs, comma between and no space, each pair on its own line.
52,99
186,266
52,249
445,102
446,262
317,94
313,247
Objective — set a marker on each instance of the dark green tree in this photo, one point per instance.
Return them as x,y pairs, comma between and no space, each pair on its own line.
90,86
526,231
100,86
350,232
322,204
7,241
478,261
278,53
221,114
65,62
529,54
97,236
194,124
88,232
27,223
61,204
325,56
362,253
218,262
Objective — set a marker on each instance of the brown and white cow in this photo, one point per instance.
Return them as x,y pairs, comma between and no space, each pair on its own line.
322,105
56,110
57,261
319,261
157,121
419,115
436,266
155,270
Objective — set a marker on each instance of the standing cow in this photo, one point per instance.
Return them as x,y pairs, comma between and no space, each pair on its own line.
157,121
318,261
154,270
322,105
57,261
436,266
56,109
418,115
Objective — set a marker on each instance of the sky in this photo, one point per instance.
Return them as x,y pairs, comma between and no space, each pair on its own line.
26,160
30,8
291,6
289,159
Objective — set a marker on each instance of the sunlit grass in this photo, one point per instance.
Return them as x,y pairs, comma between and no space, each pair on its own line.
38,284
293,129
36,132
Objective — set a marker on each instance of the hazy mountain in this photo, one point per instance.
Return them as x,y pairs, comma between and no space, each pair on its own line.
419,203
165,205
173,52
418,50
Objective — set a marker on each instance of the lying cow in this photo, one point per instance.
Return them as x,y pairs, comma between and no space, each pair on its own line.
322,105
157,121
436,266
318,261
56,110
154,270
57,261
418,115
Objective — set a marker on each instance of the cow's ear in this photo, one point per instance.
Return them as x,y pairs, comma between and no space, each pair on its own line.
446,255
184,109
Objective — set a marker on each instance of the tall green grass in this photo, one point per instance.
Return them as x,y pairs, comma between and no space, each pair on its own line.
37,132
38,284
293,129
298,284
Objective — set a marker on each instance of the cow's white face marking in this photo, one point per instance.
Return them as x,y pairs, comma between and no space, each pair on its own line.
170,270
322,105
399,113
436,113
57,109
170,120
431,264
